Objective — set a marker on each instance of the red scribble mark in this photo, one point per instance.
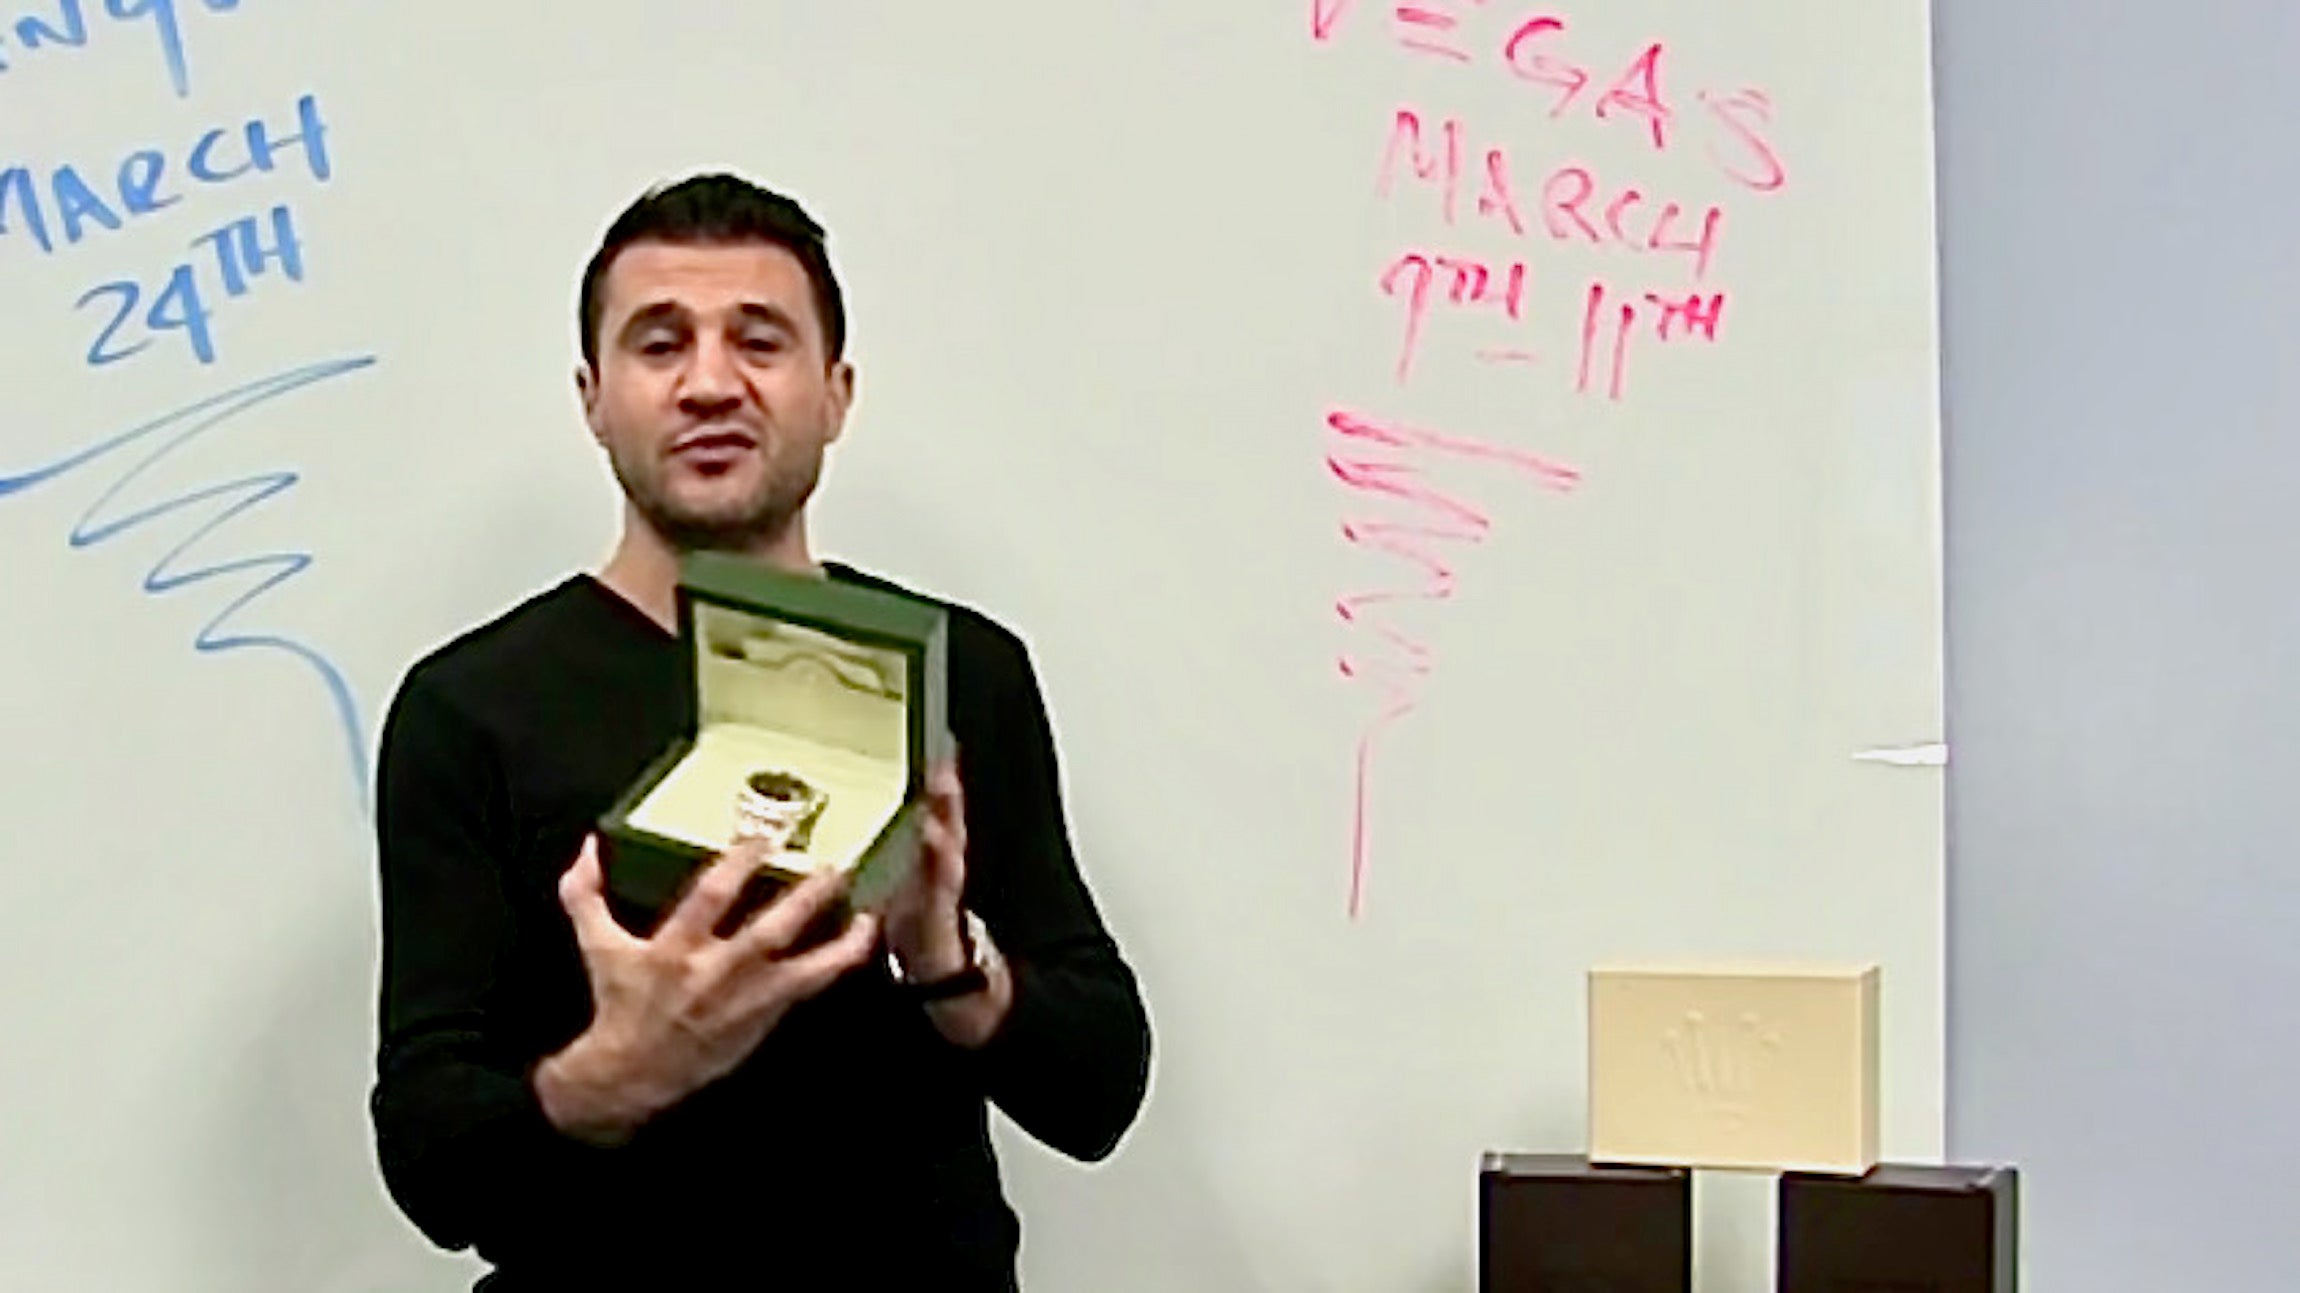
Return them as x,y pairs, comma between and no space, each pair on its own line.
1745,114
1323,15
1416,18
1542,69
1509,356
1638,91
1406,131
1379,459
1472,284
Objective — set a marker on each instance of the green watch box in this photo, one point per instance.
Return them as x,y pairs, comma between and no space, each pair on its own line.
819,703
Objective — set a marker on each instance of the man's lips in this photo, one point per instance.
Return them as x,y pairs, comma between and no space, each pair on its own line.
713,442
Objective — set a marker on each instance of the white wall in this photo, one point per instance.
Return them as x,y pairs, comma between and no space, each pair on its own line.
2123,393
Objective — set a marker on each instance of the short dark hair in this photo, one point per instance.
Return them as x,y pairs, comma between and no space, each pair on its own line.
710,210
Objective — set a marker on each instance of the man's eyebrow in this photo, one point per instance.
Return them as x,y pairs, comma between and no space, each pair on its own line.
667,311
651,314
774,315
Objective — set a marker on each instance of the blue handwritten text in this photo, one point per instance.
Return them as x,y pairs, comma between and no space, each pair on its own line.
69,30
239,253
65,202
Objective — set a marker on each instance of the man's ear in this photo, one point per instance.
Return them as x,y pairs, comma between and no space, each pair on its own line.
587,391
841,394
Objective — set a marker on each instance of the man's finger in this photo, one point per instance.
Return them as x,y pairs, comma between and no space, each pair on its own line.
946,848
815,969
582,891
946,801
940,837
779,924
944,786
712,893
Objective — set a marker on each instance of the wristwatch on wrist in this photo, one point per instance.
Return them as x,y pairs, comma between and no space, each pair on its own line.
974,937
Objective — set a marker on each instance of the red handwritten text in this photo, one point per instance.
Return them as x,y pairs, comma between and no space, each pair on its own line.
1737,123
1686,318
1572,203
1471,282
1745,114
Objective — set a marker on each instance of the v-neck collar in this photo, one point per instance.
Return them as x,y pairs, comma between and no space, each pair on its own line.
625,610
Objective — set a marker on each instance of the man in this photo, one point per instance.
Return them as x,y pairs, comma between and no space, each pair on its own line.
584,1101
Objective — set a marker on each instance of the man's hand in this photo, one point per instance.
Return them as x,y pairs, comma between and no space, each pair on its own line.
922,921
675,1011
923,925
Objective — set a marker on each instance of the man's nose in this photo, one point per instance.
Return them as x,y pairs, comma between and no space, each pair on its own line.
710,381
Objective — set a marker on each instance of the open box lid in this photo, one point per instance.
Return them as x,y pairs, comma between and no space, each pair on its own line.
838,663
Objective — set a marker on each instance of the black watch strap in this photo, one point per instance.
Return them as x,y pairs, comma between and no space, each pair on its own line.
974,978
966,981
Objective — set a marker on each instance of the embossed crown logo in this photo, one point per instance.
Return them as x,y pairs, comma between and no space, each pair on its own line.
1722,1065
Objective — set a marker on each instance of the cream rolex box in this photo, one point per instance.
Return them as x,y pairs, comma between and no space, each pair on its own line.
1747,1066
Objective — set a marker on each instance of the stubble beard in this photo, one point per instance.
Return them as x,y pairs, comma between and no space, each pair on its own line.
746,524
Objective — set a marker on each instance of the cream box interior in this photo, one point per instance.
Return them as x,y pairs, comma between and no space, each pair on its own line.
777,696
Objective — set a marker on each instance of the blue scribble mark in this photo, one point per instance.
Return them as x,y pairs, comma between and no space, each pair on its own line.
226,501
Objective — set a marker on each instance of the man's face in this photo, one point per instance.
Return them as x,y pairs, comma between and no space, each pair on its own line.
713,395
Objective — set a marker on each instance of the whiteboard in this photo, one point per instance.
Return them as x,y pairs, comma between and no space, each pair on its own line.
1131,290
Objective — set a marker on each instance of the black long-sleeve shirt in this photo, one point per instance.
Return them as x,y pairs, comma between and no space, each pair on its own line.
852,1149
